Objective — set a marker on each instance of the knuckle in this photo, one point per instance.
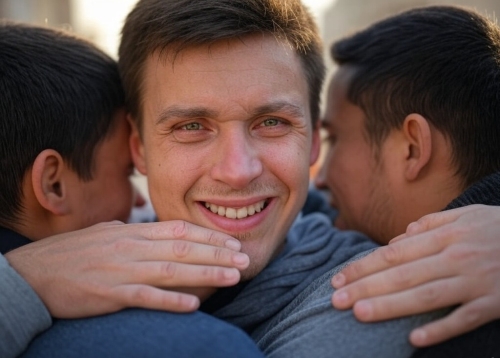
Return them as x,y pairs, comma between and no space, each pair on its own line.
124,244
142,296
207,272
403,277
179,229
212,238
455,253
168,270
181,248
391,254
429,295
421,224
472,316
174,300
219,254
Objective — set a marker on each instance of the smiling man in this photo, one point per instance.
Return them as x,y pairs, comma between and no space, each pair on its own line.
224,101
226,107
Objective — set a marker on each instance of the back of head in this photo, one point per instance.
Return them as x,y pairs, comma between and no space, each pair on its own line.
441,62
57,92
171,25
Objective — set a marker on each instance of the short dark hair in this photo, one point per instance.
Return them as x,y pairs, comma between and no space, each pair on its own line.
442,62
56,92
155,25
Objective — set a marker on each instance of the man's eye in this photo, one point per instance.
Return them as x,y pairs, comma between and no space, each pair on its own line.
271,122
192,126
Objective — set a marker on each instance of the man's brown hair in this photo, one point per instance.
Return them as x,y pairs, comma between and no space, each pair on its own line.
172,25
442,62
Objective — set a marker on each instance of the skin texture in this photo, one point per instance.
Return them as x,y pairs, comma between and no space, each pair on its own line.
233,119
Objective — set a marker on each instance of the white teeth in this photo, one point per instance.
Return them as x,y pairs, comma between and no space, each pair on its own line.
241,213
233,213
230,213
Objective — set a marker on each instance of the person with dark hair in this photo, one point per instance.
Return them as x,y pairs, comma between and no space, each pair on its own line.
223,97
412,121
65,166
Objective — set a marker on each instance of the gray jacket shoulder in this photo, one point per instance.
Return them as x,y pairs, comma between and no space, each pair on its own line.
310,327
22,313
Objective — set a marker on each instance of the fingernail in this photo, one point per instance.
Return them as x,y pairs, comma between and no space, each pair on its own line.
233,245
340,298
418,336
338,280
231,274
190,302
363,310
240,258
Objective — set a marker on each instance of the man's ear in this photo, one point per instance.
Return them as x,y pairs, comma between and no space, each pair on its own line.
136,147
49,186
316,143
418,136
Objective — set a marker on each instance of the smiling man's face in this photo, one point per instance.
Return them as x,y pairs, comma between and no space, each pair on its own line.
227,140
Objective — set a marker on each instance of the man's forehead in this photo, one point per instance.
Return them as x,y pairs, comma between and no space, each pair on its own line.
229,46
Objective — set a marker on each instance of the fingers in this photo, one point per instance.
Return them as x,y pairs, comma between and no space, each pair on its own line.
462,320
391,280
181,230
181,251
433,221
424,298
153,298
174,274
388,256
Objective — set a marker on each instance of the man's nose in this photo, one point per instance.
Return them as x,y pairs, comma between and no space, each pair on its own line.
237,163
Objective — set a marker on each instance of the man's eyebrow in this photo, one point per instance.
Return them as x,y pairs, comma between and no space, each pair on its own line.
279,106
203,112
180,112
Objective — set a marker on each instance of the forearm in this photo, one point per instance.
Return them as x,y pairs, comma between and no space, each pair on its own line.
22,313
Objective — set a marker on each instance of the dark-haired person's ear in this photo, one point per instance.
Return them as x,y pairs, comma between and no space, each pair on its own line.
418,137
48,182
136,147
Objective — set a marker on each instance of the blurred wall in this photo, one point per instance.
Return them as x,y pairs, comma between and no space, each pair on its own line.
55,13
347,16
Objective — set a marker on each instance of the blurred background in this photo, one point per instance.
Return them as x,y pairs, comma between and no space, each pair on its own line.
100,21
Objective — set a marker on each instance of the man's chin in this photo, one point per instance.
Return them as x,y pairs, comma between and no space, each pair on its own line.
250,272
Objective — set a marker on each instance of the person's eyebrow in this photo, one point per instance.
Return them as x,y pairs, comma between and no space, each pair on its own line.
279,107
187,113
203,112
